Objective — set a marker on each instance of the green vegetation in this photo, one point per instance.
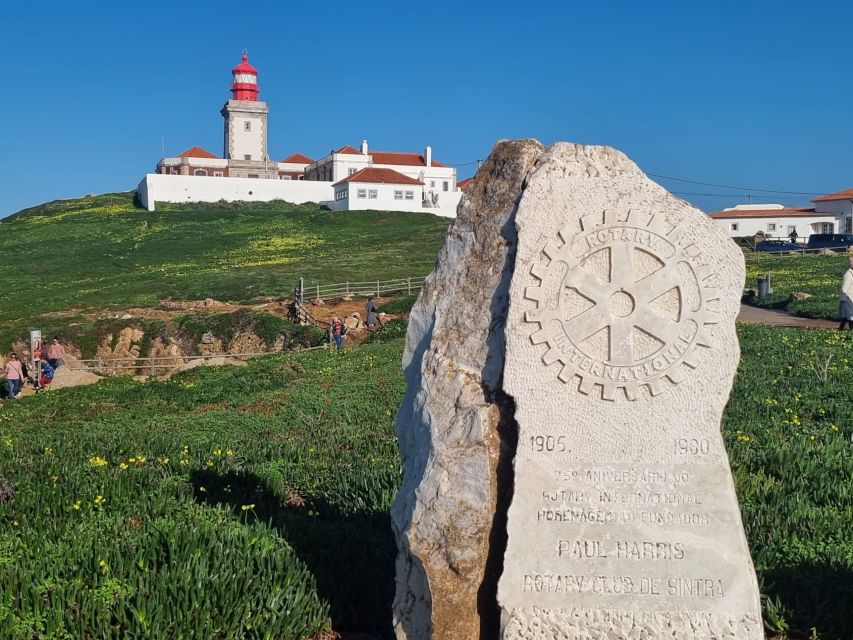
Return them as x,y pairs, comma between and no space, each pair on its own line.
103,252
817,275
403,304
788,430
270,485
225,503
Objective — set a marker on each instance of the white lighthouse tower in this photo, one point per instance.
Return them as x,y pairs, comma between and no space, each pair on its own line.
246,126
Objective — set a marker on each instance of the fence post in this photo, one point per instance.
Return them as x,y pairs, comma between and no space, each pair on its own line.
347,287
409,283
377,288
318,292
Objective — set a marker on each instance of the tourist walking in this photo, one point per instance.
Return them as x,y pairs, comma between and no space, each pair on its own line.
338,331
47,373
56,353
845,304
14,376
372,314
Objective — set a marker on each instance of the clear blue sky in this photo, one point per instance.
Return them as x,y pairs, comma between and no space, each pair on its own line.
754,94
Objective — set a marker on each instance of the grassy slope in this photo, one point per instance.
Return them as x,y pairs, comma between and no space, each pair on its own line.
318,427
818,275
101,251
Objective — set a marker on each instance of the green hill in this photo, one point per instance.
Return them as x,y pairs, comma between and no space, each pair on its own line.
270,485
105,252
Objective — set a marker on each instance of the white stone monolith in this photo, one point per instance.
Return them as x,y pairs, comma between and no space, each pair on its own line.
620,356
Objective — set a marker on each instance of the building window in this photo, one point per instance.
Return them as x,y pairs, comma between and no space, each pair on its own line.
826,227
253,175
199,172
792,229
410,195
341,195
432,184
247,126
398,195
771,226
248,156
217,174
446,186
361,193
733,226
352,172
371,195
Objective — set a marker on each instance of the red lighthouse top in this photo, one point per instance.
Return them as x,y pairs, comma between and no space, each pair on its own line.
244,85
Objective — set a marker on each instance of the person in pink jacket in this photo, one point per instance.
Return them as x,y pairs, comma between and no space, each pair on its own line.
56,353
14,375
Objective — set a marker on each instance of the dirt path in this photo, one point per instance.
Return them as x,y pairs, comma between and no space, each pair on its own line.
774,318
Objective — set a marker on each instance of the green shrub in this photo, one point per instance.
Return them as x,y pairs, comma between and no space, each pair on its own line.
403,304
391,331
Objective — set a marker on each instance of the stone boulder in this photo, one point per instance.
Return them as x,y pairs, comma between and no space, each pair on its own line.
455,426
166,355
120,352
826,252
798,296
353,322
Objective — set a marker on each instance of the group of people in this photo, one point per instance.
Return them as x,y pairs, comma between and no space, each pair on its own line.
17,372
338,328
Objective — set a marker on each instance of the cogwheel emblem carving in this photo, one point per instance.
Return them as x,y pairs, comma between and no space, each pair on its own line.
623,303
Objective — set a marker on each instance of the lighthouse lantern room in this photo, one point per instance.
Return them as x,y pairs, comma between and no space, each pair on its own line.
246,126
244,85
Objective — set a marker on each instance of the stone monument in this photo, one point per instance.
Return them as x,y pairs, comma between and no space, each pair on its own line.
607,362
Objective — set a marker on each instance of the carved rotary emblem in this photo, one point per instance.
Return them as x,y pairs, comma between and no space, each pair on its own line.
623,303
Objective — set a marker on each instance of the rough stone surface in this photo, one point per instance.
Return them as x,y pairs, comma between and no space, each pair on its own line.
452,423
621,352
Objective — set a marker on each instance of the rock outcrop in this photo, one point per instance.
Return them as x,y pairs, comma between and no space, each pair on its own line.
454,427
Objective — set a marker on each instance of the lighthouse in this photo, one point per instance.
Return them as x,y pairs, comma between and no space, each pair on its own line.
246,126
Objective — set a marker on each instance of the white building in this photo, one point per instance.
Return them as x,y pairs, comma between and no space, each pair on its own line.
431,185
438,180
840,205
378,188
774,221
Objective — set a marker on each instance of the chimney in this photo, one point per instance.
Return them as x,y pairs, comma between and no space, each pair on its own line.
364,147
428,156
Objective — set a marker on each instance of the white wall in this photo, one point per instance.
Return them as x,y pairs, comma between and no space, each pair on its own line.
156,187
806,225
385,200
167,188
837,207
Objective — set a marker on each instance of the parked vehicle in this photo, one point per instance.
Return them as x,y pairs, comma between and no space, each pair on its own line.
830,241
778,246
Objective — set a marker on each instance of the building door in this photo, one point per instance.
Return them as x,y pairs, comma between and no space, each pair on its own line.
848,225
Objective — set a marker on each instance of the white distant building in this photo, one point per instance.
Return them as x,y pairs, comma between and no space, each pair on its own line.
773,220
430,185
832,213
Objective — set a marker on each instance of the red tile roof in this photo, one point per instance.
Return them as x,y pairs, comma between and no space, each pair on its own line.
401,158
298,158
380,176
392,157
464,183
197,152
787,212
847,194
